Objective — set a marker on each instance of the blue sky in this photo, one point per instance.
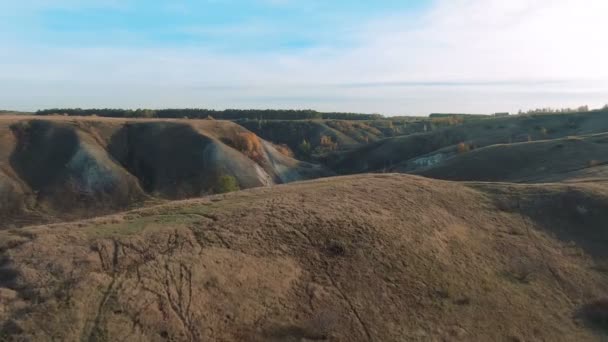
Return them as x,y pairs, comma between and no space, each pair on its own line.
393,57
231,25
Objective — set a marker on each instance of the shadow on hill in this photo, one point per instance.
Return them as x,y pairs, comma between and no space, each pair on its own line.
68,172
42,152
595,315
391,153
574,214
175,160
540,161
167,158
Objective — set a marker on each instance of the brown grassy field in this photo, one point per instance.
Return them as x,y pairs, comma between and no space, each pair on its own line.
359,258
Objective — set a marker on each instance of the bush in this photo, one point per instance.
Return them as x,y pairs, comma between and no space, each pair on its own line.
284,150
226,184
447,121
250,145
463,148
327,143
305,147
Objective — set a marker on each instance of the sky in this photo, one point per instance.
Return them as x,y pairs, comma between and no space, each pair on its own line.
394,57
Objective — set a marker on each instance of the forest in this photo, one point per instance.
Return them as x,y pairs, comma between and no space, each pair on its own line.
228,114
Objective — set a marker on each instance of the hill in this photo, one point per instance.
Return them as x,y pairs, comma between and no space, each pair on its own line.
307,133
360,258
60,168
571,158
389,153
309,139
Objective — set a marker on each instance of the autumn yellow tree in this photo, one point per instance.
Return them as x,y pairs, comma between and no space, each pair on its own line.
327,143
249,144
463,147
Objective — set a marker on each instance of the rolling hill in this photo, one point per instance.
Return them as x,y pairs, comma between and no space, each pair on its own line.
343,135
388,154
359,258
505,241
567,159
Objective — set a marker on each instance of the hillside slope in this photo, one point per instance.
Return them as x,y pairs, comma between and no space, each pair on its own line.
65,168
573,158
342,134
386,154
361,258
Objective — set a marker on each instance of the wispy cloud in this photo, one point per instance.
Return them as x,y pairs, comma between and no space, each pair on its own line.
453,55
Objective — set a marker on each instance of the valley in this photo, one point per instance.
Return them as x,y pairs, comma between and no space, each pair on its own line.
202,229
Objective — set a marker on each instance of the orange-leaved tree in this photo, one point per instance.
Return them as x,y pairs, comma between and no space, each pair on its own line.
249,144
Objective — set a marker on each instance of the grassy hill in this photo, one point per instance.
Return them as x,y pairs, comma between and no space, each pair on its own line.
389,153
571,158
325,136
63,168
507,243
360,258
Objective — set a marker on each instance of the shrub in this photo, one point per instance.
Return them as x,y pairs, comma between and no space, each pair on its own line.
336,248
250,145
284,150
463,148
523,270
305,147
327,143
447,121
226,184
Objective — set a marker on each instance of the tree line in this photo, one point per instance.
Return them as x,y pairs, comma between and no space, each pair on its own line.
549,110
228,114
581,109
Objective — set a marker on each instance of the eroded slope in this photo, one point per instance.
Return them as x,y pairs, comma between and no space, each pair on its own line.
66,168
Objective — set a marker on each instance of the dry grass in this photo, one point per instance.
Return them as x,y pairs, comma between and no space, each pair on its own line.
375,257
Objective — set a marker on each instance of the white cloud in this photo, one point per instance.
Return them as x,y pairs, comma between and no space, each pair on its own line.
499,55
485,40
